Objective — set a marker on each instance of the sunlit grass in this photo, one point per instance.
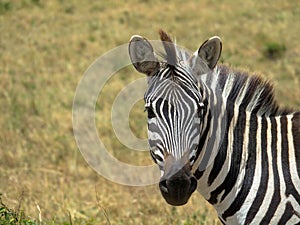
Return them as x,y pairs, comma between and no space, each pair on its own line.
45,47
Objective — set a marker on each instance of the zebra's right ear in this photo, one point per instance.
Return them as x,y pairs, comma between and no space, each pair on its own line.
142,55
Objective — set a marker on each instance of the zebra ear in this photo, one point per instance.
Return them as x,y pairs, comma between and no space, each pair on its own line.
142,55
210,51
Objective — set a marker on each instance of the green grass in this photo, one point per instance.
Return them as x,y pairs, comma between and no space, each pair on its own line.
274,50
11,217
45,47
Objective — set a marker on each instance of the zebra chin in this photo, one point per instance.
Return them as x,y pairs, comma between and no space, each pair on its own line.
178,188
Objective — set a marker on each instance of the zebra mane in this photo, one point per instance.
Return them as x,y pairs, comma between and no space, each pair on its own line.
259,96
173,53
169,48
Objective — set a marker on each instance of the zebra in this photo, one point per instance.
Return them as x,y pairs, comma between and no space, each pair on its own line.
219,130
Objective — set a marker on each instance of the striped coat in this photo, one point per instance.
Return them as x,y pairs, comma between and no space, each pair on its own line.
220,131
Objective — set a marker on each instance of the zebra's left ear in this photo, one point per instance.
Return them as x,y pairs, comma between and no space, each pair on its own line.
206,57
210,51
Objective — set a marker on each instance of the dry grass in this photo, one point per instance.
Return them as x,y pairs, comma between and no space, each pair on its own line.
45,46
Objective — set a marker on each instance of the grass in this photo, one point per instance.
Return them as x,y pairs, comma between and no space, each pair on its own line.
274,50
9,216
45,47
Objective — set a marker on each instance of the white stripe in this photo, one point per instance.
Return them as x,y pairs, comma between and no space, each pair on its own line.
205,190
292,156
254,99
228,85
231,196
293,220
280,209
256,179
270,188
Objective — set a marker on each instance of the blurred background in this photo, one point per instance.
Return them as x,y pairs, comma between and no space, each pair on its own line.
46,46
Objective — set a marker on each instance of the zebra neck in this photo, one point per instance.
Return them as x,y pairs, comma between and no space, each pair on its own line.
251,147
212,131
259,149
226,166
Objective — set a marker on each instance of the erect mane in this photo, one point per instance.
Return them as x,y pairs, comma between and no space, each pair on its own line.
259,94
169,47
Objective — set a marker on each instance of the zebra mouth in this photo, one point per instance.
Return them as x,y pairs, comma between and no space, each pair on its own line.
178,189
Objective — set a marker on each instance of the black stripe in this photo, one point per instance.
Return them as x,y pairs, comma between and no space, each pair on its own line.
221,156
264,176
246,100
296,136
198,174
155,157
287,214
276,195
249,174
222,221
187,81
238,84
290,188
161,109
223,76
236,155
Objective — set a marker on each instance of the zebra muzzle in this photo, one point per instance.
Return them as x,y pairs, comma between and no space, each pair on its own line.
177,184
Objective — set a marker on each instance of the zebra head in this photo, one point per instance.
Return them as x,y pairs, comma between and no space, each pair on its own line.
176,109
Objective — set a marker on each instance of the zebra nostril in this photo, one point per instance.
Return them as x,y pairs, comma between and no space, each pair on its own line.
163,186
177,189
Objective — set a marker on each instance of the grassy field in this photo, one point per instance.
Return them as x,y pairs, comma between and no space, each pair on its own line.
45,47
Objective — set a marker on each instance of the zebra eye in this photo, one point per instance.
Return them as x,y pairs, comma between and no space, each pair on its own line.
150,112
